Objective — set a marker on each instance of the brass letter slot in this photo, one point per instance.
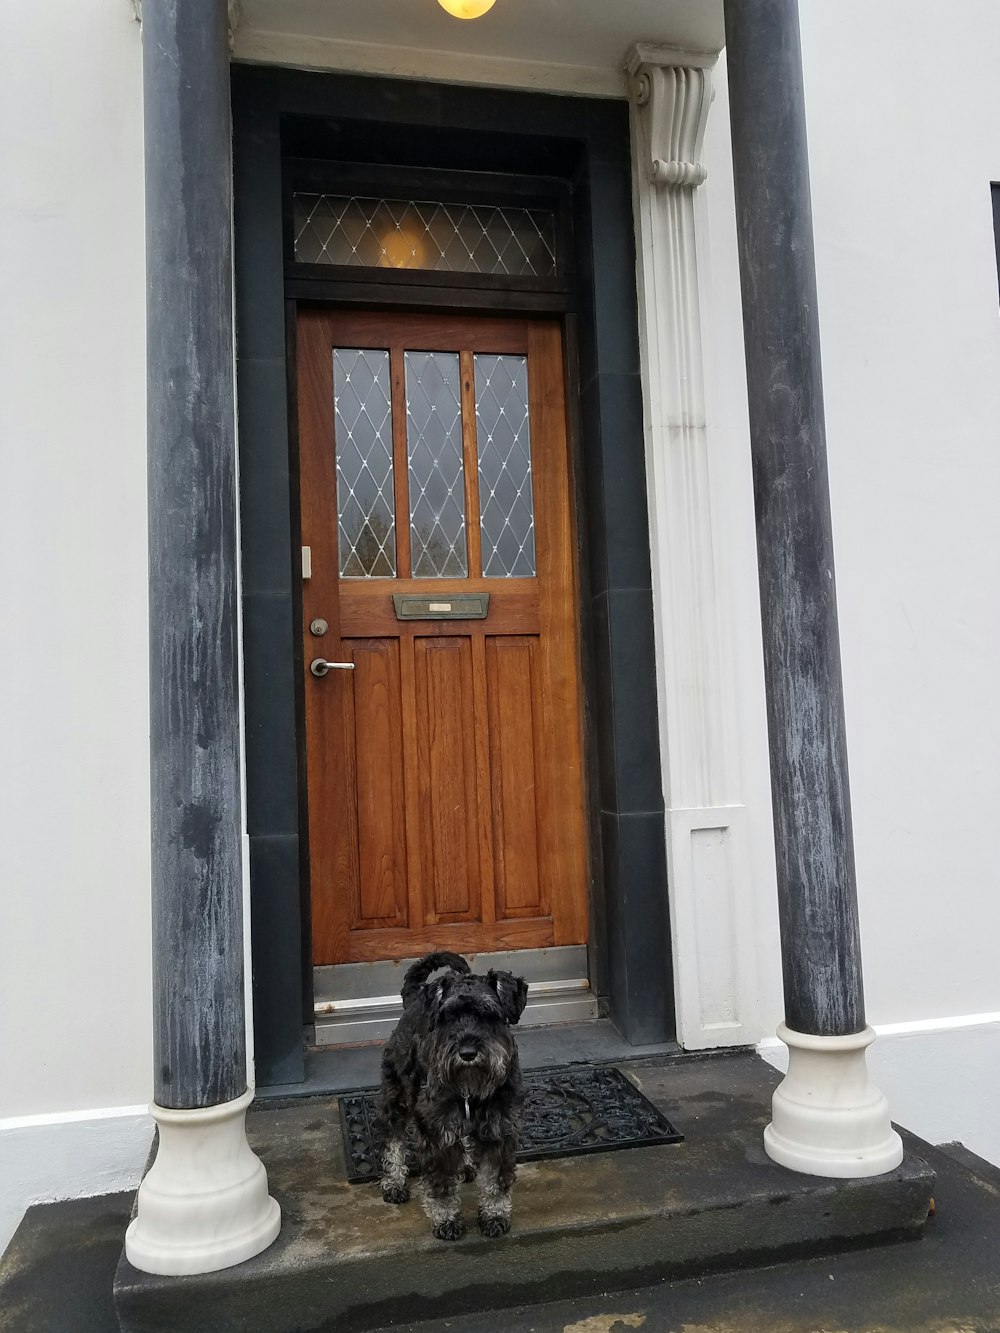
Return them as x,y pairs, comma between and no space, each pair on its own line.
466,606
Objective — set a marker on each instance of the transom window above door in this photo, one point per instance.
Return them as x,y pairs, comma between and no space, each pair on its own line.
433,464
467,238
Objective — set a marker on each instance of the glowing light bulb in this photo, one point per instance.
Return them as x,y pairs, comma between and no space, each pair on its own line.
403,247
467,9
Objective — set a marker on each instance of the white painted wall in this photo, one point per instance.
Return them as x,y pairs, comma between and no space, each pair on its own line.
74,825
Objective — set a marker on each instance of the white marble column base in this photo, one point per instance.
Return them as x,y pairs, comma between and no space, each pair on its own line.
203,1204
827,1117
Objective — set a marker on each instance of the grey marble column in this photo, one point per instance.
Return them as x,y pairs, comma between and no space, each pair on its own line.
204,1204
817,895
199,1016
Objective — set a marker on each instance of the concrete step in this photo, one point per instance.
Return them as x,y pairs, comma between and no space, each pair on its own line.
57,1273
610,1221
949,1283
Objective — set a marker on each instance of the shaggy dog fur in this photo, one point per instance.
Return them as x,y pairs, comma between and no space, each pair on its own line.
450,1070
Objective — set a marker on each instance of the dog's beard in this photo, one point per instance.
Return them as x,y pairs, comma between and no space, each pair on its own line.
482,1076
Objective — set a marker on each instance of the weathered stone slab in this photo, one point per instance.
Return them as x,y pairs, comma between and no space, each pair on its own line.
347,1261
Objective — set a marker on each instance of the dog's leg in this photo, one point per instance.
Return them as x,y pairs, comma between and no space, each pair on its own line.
393,1181
469,1173
391,1126
497,1169
439,1194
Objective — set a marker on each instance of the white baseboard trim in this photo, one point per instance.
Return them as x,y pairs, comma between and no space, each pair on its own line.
919,1027
69,1155
72,1117
927,1025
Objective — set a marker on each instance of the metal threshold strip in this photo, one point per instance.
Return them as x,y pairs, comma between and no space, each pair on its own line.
359,1002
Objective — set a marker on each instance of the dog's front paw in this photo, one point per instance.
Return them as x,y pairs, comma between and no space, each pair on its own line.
453,1228
493,1226
395,1193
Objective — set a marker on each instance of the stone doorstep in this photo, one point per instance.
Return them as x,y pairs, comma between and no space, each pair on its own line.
347,1261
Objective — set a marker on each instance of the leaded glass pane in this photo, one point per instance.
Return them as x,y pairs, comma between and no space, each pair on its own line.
365,510
437,474
507,511
399,233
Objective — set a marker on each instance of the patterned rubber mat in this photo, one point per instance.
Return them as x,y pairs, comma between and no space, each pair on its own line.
567,1112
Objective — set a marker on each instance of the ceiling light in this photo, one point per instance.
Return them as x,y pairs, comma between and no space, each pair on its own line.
467,9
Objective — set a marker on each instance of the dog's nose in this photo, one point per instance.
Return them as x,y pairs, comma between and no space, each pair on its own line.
468,1053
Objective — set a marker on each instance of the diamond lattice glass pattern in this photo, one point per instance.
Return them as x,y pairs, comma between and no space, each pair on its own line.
396,233
437,474
505,501
365,515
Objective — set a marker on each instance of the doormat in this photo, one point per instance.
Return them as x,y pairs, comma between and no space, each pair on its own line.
567,1112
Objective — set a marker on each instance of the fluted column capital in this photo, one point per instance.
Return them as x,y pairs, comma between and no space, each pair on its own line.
672,93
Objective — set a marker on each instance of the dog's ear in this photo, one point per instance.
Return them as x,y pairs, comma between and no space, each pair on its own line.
432,995
512,992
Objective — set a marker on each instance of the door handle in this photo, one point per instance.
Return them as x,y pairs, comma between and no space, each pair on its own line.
319,666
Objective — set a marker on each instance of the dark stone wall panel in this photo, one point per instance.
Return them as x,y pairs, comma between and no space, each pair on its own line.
279,1052
272,753
604,705
260,277
626,525
616,332
619,993
265,483
593,487
638,780
646,925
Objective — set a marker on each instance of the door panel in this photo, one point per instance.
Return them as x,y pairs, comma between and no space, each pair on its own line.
375,751
446,778
445,785
510,674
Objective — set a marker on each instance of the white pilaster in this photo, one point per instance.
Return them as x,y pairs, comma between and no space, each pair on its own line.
708,865
203,1205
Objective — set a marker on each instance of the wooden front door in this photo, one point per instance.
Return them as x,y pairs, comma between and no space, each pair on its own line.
445,783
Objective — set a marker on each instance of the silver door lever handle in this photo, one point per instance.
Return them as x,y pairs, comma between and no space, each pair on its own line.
319,666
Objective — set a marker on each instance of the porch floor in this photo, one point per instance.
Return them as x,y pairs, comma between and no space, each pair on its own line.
56,1275
347,1261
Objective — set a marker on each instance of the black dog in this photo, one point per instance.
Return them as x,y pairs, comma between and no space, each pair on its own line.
451,1071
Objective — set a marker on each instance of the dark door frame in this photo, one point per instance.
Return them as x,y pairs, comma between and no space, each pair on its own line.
279,115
